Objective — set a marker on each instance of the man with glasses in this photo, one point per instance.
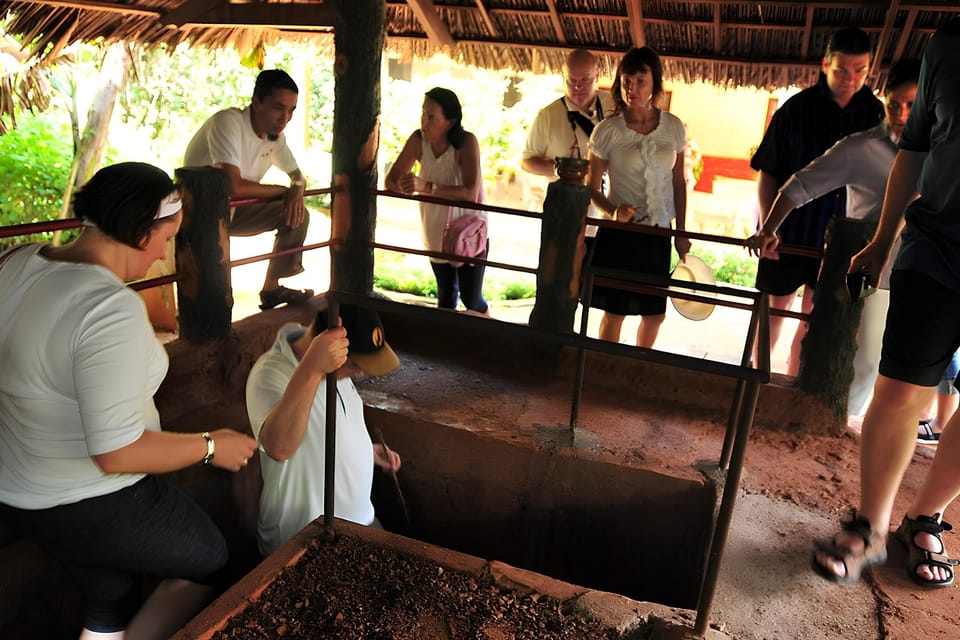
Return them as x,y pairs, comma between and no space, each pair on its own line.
563,127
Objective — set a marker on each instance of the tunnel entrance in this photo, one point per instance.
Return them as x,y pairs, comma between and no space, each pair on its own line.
632,531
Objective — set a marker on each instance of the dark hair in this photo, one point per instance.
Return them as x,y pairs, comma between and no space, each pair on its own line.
849,40
272,79
634,60
450,105
906,71
122,200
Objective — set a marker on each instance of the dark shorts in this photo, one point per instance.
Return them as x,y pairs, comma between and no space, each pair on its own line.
637,253
786,275
111,542
922,331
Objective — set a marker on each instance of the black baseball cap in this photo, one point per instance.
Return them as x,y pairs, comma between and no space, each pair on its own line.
368,346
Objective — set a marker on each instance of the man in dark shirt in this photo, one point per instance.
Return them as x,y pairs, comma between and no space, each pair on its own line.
805,126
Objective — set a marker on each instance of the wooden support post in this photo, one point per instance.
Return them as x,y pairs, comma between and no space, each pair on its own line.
826,355
359,38
561,257
204,292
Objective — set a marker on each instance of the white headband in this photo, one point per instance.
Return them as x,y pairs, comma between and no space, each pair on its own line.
169,205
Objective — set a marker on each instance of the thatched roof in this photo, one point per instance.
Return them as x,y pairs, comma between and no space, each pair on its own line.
728,42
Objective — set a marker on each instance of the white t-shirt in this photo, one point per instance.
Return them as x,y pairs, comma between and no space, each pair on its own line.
227,137
80,367
292,494
640,166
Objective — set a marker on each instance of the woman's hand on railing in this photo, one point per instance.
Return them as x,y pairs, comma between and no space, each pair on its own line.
624,213
763,244
410,183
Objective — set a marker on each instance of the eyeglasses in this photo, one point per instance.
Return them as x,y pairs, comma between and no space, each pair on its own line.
583,81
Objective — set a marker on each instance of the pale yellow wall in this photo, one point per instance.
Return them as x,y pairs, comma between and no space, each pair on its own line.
724,122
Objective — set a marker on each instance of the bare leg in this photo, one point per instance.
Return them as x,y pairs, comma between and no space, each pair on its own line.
886,448
947,404
941,487
648,330
169,607
793,362
776,322
610,325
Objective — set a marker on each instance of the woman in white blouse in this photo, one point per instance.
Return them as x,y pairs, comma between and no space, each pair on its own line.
640,148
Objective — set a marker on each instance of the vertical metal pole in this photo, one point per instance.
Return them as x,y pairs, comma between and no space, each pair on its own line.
732,424
724,516
585,296
757,322
330,432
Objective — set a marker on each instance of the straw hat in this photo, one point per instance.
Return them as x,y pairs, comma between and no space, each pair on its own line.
693,269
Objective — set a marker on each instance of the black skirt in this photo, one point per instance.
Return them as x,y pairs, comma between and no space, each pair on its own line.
635,252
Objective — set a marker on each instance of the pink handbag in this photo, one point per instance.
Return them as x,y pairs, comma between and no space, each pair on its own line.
465,236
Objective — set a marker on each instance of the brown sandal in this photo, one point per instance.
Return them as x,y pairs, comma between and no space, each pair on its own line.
874,551
907,535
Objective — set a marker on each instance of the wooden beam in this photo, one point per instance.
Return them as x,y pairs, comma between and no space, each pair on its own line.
904,36
807,31
189,10
616,51
555,19
301,16
429,19
491,29
635,15
716,27
110,7
885,34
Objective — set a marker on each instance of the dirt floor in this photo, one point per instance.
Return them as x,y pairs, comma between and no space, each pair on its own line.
794,490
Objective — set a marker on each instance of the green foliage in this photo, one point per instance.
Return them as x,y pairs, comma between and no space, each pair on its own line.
732,265
35,160
518,289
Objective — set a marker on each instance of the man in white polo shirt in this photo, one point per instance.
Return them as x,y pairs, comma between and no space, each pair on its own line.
286,403
245,143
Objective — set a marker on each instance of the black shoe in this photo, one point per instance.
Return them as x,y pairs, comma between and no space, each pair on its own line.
282,295
926,434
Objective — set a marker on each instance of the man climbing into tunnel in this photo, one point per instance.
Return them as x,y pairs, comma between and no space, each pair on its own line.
286,404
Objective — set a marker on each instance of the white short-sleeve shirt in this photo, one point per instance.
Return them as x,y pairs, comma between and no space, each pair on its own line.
81,364
292,494
227,137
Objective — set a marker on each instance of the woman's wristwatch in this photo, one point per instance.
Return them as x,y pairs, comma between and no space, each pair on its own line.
207,459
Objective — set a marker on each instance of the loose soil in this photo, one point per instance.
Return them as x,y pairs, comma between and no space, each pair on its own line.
349,589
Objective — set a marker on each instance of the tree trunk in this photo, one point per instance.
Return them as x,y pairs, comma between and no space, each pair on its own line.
561,257
359,37
88,154
828,349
